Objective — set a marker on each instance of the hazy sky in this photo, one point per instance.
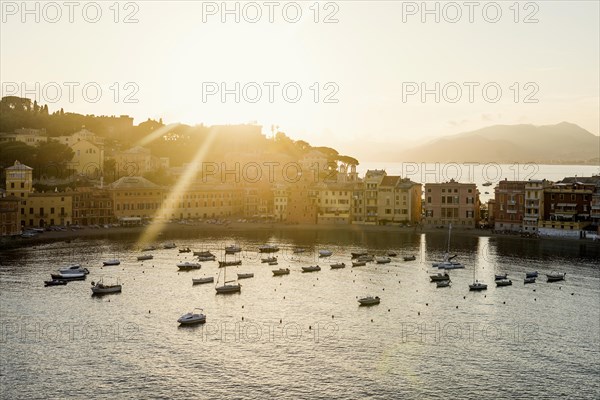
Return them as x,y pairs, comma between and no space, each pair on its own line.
370,57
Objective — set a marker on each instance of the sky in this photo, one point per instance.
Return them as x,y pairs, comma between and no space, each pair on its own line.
354,72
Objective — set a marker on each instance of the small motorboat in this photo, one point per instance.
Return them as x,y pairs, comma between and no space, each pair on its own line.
311,268
445,283
187,266
358,263
170,246
409,258
504,282
299,250
281,271
229,263
533,274
500,277
439,277
366,258
477,286
529,280
338,265
72,269
555,276
70,276
383,260
273,262
101,288
199,281
268,260
488,183
229,288
232,249
448,265
392,254
145,257
325,253
206,258
192,318
268,248
55,282
185,250
112,262
357,254
245,275
369,300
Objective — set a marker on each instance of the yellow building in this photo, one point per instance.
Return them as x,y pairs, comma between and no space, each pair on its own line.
9,216
334,202
88,159
136,196
19,180
48,209
200,201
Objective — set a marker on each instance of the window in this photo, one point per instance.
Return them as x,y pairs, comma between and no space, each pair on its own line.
429,199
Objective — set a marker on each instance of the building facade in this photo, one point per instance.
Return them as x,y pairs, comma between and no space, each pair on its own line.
510,205
10,224
92,206
451,203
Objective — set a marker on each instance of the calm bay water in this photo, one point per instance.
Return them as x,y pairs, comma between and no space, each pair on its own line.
303,335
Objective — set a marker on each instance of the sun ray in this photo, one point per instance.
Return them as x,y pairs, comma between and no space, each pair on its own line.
186,179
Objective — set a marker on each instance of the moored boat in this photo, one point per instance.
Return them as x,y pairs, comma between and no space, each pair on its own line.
530,279
234,248
268,260
338,265
383,260
185,250
445,283
476,286
325,253
409,258
55,282
281,271
192,318
268,248
504,282
112,262
245,275
203,254
70,276
312,268
186,265
555,276
273,262
171,245
533,274
72,269
369,300
439,277
145,257
500,277
358,263
356,254
199,281
101,288
366,258
229,263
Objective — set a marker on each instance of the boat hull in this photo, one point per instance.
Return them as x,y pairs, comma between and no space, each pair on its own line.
228,289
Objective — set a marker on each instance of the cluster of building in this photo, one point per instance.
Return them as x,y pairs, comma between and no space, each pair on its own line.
275,187
568,208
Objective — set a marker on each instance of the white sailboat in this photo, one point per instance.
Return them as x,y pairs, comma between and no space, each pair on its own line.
447,263
476,285
228,286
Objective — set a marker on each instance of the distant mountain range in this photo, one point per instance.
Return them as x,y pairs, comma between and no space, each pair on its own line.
563,143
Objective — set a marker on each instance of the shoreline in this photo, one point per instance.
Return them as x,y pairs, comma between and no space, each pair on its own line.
172,229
